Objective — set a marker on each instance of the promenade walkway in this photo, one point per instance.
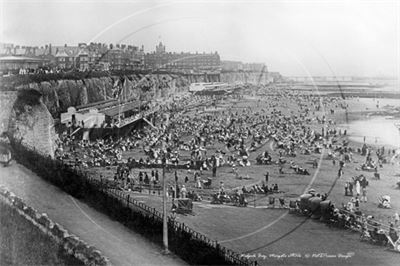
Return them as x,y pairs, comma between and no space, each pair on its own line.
121,245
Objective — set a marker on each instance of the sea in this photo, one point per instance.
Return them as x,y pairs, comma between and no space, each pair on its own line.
378,129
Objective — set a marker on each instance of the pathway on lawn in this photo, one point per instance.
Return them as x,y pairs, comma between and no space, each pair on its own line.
121,245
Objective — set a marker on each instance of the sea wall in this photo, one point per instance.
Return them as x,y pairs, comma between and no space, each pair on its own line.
70,244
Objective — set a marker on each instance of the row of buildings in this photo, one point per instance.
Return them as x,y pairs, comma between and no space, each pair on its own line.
83,57
103,57
161,59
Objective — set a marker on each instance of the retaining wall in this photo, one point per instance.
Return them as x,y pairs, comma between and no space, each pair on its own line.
69,242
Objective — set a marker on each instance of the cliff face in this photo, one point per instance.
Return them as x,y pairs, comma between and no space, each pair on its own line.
27,113
246,77
31,123
59,95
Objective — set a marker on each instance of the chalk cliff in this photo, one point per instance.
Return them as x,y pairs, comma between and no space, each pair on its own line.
28,111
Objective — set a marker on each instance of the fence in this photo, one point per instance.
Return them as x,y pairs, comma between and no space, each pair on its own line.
175,227
190,245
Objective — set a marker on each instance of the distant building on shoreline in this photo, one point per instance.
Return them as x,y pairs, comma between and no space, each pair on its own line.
160,59
233,66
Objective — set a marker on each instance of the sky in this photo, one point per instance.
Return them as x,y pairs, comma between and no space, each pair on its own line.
296,38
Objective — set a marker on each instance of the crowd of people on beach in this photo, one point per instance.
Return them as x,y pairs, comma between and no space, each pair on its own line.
201,134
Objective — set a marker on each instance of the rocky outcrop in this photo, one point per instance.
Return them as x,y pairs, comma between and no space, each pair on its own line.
7,100
31,123
70,244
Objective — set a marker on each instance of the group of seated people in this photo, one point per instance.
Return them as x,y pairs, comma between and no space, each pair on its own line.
264,158
220,197
353,218
264,189
194,196
299,170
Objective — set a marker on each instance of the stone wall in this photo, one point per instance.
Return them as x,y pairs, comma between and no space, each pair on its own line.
71,244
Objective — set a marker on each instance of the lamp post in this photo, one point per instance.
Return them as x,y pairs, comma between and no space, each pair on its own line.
165,218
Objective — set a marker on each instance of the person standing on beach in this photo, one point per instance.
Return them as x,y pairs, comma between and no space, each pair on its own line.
358,188
396,219
364,194
364,184
357,203
351,188
340,172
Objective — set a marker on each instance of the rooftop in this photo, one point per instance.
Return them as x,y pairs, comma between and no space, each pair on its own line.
113,111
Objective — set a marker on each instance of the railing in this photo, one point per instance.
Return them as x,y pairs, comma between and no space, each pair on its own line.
136,117
228,254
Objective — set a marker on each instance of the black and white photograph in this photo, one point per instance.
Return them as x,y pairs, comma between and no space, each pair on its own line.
199,132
